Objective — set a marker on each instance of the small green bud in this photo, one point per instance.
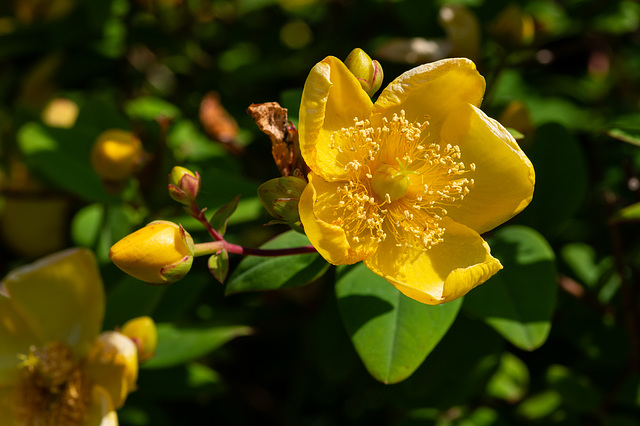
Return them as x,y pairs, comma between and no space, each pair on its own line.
184,185
369,73
280,197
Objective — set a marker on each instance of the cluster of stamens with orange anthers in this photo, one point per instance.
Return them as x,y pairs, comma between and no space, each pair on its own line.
393,185
53,388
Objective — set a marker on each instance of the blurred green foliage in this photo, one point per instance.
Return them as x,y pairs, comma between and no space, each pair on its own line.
554,338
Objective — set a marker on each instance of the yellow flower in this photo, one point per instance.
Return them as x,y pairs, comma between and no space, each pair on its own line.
55,368
159,253
409,183
116,155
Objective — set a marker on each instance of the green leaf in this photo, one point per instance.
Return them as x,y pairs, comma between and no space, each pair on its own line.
221,217
219,265
511,380
151,108
392,333
179,345
179,382
518,301
630,136
628,214
271,273
561,179
86,225
62,157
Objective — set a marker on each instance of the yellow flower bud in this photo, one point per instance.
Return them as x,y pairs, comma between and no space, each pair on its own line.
184,185
280,197
143,332
369,73
159,253
60,112
116,155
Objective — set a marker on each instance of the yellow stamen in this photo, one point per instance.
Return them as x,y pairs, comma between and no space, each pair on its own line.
395,184
54,389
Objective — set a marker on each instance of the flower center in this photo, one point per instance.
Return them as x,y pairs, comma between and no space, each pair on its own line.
391,183
53,389
395,185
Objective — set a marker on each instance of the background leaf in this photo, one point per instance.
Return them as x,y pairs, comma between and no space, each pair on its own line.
392,333
518,301
177,345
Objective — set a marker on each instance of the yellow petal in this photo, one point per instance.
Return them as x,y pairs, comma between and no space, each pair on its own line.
504,177
60,297
112,364
432,91
331,99
317,212
441,274
7,404
15,339
101,411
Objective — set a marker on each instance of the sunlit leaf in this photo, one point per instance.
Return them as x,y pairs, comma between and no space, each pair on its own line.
151,108
519,300
270,273
392,333
628,214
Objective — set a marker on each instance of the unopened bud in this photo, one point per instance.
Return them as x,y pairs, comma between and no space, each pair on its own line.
159,253
369,73
184,185
116,155
280,197
143,332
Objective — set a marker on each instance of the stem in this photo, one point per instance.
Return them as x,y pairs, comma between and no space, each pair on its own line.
204,249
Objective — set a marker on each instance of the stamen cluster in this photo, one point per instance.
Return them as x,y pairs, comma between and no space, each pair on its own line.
417,186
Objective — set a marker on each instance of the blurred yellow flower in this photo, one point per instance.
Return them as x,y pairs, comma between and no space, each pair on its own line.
408,184
116,155
55,367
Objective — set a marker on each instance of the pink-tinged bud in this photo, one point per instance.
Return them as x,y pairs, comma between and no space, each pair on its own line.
159,253
280,197
184,185
369,73
116,155
143,332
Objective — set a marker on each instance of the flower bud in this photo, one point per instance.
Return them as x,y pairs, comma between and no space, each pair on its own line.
280,197
368,72
116,155
143,332
184,185
159,253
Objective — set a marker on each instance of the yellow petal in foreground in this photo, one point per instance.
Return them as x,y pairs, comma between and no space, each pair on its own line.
445,272
332,98
503,178
320,212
